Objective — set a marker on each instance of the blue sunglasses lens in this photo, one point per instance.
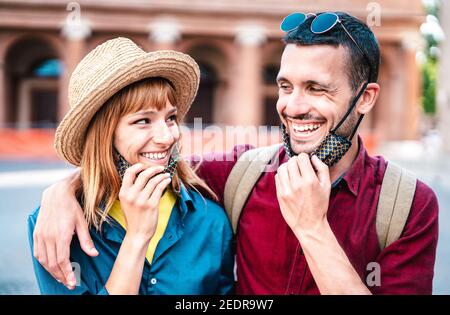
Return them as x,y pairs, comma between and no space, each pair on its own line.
323,23
292,21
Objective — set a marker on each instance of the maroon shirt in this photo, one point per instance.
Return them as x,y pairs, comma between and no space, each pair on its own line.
270,258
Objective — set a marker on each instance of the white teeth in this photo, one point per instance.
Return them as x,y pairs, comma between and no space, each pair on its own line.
155,156
302,128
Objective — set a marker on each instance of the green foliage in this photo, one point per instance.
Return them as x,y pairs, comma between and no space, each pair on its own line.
430,65
429,77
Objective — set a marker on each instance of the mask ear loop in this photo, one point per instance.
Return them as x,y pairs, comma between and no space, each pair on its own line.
173,161
286,141
121,164
355,100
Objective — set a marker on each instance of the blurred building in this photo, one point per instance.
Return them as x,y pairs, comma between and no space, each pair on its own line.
237,44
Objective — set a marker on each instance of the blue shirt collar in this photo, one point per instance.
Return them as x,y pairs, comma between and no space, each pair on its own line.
113,231
185,201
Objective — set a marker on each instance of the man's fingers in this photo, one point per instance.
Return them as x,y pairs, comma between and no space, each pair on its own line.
131,174
50,262
282,179
86,243
323,172
278,185
35,244
305,166
293,171
62,256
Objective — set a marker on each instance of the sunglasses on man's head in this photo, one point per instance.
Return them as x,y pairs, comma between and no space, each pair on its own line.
322,23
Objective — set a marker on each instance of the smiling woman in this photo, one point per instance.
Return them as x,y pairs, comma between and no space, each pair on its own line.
129,125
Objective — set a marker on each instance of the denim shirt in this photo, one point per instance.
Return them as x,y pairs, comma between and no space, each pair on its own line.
193,257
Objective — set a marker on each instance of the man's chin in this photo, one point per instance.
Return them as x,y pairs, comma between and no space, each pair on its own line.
305,147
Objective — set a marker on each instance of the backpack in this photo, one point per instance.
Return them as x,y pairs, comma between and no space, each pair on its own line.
396,196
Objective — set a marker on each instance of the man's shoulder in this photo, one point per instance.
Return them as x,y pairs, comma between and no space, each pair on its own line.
424,194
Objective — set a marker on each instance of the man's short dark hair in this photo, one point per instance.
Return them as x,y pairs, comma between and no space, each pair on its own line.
358,70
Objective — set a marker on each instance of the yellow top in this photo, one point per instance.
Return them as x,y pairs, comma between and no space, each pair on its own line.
166,204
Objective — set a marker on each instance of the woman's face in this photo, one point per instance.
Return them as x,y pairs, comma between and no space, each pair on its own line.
147,136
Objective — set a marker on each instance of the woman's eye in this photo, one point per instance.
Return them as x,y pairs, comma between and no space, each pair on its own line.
142,121
172,118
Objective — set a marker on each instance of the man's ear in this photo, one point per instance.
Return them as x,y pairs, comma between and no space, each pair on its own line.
368,99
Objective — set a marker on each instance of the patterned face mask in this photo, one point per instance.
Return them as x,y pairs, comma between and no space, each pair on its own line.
122,165
334,146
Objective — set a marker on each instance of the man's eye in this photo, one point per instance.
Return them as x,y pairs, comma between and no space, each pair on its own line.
142,121
315,89
284,86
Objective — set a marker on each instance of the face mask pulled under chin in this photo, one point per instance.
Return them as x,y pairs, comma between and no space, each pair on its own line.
122,164
331,150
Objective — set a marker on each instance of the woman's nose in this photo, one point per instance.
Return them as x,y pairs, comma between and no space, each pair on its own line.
163,135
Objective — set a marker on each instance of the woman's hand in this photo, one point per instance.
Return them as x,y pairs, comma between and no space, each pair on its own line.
139,199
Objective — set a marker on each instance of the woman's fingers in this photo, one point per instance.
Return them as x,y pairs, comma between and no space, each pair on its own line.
131,174
152,183
158,190
144,177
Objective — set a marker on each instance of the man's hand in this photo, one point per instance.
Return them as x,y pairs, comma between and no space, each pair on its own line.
60,216
303,192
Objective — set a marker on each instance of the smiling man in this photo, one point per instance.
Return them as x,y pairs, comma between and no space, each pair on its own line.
309,227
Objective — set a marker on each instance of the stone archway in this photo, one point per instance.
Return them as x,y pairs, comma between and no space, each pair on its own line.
271,61
32,72
212,87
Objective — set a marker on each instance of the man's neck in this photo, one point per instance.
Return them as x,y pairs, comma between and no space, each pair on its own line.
346,162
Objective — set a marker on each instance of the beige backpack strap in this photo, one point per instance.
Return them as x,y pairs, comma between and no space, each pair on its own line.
243,178
396,197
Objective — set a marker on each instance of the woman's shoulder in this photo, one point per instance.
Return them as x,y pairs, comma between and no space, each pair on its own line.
207,208
32,217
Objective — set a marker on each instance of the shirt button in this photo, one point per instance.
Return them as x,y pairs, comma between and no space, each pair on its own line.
153,281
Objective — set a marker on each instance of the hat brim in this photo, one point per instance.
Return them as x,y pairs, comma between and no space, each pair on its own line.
180,69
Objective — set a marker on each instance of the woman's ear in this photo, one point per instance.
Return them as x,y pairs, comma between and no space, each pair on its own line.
368,99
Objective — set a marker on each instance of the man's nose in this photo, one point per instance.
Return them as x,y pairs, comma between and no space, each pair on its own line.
298,104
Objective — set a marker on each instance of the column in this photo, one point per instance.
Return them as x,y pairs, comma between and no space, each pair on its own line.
75,31
443,83
164,34
246,104
412,107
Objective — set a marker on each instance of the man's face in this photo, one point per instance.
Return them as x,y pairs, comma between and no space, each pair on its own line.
314,94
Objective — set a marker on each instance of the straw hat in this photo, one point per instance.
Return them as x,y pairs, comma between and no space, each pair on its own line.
107,69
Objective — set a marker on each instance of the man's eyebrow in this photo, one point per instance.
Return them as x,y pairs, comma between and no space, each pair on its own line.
281,78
